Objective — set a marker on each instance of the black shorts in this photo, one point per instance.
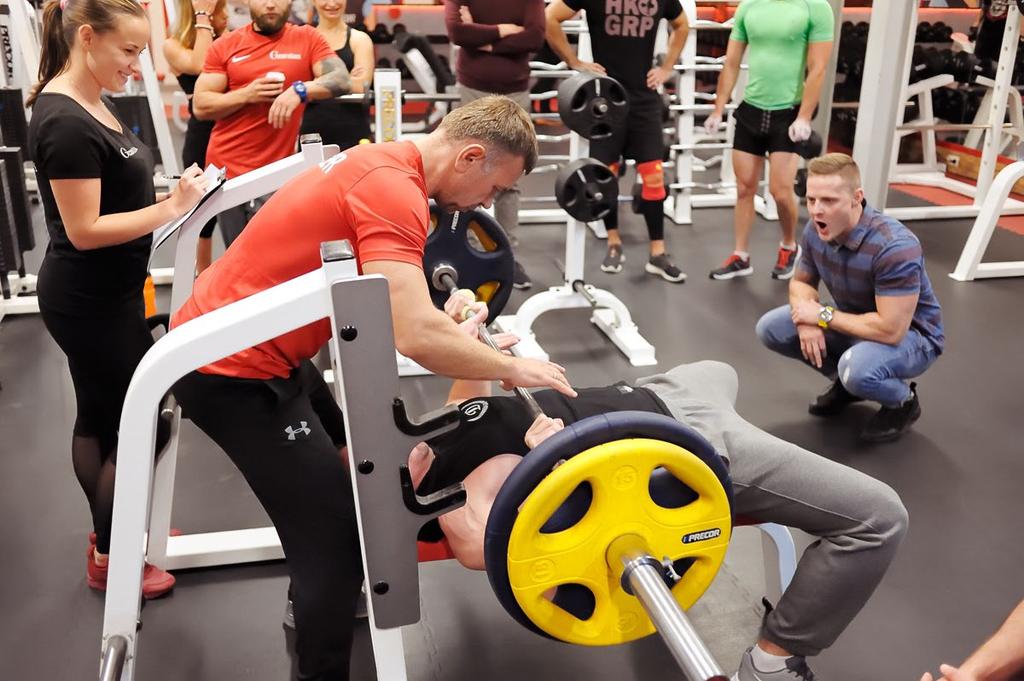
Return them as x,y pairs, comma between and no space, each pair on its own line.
642,139
761,132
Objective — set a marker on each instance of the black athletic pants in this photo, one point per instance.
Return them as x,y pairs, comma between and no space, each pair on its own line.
284,435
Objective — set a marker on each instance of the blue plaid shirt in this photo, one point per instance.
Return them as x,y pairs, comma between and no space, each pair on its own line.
878,257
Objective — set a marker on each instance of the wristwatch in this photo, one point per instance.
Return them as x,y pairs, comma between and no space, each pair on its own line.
300,90
825,315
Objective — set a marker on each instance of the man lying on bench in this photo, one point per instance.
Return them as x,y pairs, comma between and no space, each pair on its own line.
859,521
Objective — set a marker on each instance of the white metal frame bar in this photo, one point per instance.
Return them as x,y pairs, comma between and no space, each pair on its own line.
154,97
970,266
882,95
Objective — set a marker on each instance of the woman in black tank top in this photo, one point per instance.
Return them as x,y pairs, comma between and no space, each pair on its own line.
343,123
198,24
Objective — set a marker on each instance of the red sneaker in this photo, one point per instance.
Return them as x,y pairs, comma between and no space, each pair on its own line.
155,582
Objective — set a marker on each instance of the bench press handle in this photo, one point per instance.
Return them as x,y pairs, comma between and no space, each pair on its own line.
430,422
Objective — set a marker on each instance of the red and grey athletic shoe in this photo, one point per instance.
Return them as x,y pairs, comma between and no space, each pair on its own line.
785,264
734,266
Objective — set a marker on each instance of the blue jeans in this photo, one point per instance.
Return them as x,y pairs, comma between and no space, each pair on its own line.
870,370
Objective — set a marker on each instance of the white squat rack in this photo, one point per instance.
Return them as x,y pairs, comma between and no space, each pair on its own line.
610,314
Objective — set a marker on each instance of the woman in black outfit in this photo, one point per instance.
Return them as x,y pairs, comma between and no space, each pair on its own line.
343,123
96,184
198,24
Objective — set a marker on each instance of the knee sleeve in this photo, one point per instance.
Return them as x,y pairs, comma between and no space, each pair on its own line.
653,178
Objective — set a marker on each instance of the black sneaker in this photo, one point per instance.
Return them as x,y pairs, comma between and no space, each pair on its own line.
663,266
832,401
734,266
889,423
520,279
612,263
785,263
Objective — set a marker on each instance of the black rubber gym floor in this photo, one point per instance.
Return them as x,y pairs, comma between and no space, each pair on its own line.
959,473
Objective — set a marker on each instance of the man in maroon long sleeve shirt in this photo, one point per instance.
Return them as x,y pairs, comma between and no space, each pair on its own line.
496,39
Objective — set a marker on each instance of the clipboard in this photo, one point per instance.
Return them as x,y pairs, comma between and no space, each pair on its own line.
215,176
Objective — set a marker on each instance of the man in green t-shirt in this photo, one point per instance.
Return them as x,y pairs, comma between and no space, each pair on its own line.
790,42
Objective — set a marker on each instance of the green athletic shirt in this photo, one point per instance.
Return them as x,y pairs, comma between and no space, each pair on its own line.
777,33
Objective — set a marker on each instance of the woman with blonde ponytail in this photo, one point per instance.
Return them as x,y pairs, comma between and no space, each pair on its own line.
198,24
96,185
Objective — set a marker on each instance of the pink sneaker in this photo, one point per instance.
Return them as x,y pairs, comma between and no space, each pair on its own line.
155,582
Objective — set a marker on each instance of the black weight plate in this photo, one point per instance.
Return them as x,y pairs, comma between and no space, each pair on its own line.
484,265
592,105
587,189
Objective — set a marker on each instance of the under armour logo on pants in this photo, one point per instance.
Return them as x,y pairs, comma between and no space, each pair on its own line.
292,432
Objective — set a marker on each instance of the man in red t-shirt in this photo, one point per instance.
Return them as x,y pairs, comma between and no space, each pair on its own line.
255,84
269,409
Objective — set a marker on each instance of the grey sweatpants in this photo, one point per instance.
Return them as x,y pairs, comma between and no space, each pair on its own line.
506,203
859,521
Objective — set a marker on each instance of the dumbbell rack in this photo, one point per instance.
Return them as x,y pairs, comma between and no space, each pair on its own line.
681,199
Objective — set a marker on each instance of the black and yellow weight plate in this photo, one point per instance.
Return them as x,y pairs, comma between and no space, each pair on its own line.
548,534
477,247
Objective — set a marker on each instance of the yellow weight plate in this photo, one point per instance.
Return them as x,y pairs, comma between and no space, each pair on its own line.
486,241
486,291
619,473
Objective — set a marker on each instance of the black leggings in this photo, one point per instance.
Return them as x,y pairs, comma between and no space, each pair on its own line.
283,435
103,352
654,218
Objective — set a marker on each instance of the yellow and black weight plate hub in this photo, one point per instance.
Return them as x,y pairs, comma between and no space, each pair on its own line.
476,246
